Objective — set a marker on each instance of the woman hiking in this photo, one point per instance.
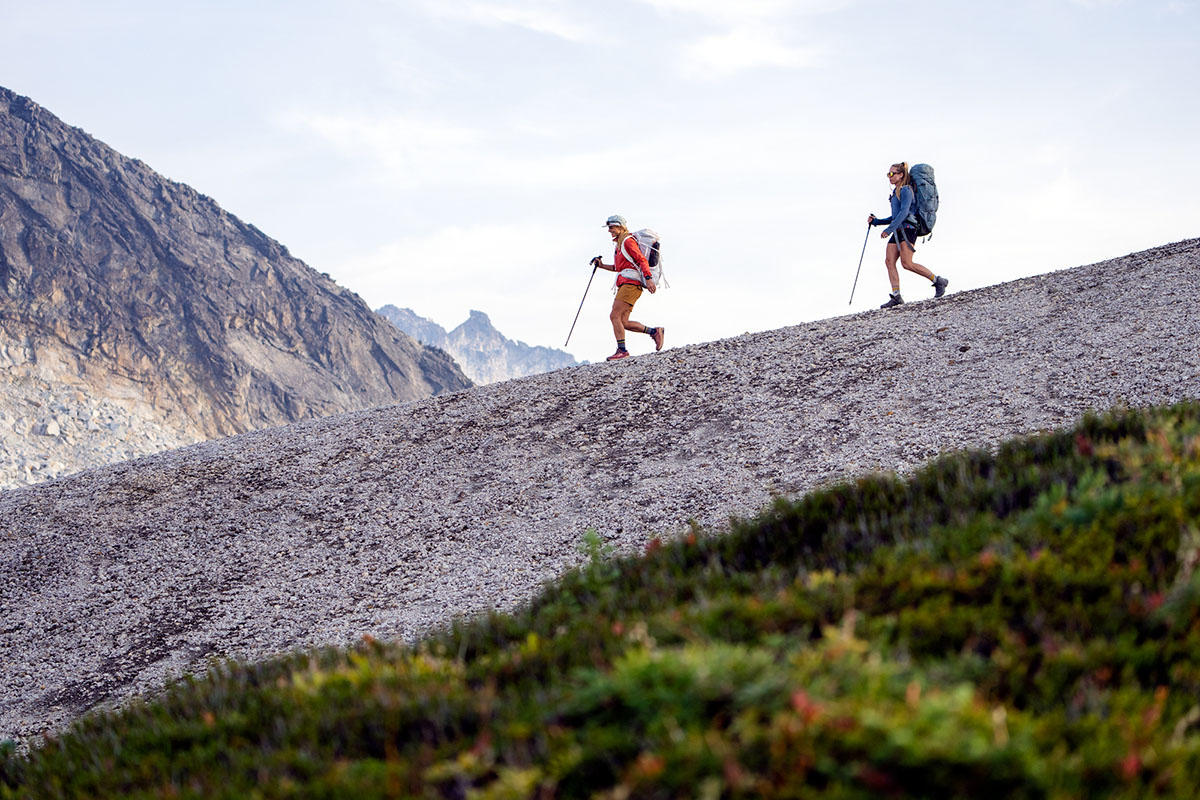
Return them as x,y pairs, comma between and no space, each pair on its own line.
901,226
633,272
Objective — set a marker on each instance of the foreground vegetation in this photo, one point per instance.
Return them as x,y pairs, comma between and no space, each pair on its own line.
1017,624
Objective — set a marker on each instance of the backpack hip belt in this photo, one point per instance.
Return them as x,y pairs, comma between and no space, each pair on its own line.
633,274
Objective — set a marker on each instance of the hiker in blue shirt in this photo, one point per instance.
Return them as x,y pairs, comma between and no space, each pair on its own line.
901,226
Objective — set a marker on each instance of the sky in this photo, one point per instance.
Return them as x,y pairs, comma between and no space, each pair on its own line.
450,155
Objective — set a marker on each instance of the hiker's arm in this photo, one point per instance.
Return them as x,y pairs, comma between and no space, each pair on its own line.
644,265
906,201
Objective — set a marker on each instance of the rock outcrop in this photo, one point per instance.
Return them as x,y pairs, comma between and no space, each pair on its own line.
485,354
391,520
139,291
50,429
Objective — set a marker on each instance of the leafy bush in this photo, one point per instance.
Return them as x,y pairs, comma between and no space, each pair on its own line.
1024,623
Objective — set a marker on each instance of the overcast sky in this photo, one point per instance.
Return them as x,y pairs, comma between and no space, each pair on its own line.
448,155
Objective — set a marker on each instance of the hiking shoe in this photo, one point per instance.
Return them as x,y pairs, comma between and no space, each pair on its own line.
659,332
617,356
939,286
893,300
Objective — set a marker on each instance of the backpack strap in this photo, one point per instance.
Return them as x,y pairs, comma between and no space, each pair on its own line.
636,268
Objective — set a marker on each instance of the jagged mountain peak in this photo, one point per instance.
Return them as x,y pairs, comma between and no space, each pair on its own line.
485,354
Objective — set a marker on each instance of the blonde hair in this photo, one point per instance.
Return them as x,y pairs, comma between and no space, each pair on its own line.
905,180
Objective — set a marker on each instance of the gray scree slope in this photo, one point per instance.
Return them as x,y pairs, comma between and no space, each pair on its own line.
391,520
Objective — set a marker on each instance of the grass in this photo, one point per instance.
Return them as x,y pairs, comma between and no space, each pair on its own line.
1024,623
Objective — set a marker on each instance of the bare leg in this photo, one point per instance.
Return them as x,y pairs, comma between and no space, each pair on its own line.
619,316
890,259
906,256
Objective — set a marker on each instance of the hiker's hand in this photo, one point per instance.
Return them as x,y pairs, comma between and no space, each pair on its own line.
883,235
595,262
651,285
870,219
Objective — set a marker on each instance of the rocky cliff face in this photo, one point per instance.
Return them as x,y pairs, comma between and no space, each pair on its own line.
484,354
138,290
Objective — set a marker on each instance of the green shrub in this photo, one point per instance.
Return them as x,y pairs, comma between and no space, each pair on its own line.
1024,623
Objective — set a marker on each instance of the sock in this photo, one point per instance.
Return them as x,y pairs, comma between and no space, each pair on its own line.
896,290
620,344
651,331
933,279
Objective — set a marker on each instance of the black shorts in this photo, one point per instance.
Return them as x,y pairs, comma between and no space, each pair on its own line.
905,233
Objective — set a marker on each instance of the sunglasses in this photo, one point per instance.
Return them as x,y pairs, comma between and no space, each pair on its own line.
890,174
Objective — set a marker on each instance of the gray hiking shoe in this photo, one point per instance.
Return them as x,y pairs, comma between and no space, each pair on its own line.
939,286
893,300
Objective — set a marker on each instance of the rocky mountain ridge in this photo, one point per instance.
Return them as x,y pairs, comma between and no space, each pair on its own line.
391,520
129,288
485,354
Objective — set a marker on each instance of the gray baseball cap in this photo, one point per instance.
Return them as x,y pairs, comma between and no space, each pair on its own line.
616,219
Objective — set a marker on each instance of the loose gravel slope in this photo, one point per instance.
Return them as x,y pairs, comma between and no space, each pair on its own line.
390,520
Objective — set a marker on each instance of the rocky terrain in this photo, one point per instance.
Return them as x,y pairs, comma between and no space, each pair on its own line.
49,429
485,354
129,289
391,520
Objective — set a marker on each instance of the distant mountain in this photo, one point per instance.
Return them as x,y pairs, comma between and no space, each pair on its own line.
136,289
484,354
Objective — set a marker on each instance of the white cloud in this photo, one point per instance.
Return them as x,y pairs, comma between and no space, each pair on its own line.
724,12
549,17
742,49
749,34
409,149
411,153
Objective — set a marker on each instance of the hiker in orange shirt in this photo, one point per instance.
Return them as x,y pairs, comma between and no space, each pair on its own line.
633,272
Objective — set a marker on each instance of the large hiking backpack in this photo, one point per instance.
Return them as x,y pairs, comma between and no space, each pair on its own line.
651,248
926,197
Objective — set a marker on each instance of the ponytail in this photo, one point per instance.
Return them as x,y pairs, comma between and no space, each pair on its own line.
905,179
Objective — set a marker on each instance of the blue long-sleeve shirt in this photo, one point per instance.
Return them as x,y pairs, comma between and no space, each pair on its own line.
903,207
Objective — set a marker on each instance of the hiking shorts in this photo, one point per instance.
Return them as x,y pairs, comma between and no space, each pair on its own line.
629,293
906,233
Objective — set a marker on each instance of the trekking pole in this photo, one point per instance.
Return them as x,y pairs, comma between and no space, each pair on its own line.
585,291
860,260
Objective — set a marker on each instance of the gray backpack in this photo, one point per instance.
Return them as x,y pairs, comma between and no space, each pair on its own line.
649,244
927,198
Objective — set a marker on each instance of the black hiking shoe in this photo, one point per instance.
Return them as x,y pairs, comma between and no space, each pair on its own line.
939,286
893,300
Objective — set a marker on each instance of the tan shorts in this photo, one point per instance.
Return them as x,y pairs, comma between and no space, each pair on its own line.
629,293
